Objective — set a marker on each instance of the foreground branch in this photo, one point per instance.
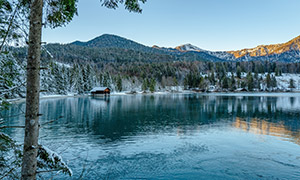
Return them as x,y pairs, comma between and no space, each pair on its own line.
6,127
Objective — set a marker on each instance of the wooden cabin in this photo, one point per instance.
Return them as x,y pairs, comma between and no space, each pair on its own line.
100,91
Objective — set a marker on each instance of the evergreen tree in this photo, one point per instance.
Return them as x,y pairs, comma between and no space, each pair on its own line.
225,83
89,77
175,81
145,85
232,82
152,85
201,83
85,78
57,79
11,73
243,84
280,72
250,84
186,83
273,81
238,72
256,75
71,79
268,80
119,83
79,82
106,82
212,78
277,72
292,84
64,73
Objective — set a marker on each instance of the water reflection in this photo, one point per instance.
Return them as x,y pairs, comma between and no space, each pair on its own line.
259,126
121,116
175,136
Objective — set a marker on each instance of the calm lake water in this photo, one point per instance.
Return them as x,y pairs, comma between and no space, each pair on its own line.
176,136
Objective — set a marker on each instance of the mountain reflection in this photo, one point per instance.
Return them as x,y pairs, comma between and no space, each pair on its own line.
118,117
259,126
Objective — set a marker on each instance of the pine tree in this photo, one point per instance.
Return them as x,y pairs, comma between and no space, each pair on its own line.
201,83
277,72
225,83
212,78
292,84
256,75
88,78
145,85
106,80
85,78
268,80
273,81
238,72
186,83
250,84
119,83
243,84
58,79
64,74
152,85
232,82
175,81
10,77
78,83
71,79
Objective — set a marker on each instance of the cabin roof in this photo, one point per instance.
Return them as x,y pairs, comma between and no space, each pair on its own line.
95,89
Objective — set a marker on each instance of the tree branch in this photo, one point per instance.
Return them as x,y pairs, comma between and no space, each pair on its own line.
7,173
46,171
9,26
6,127
51,121
10,89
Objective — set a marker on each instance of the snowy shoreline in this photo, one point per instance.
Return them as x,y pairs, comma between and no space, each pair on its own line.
268,94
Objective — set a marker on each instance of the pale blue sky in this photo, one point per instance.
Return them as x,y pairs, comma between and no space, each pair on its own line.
208,24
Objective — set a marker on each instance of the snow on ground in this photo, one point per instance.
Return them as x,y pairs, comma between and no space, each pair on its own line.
63,64
283,81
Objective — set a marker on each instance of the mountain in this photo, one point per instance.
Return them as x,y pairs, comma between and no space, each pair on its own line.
109,48
113,41
188,47
287,52
123,46
268,50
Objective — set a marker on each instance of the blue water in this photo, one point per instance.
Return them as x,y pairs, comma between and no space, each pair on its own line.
176,136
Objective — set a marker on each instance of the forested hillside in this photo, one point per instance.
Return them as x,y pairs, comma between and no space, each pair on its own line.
124,65
81,75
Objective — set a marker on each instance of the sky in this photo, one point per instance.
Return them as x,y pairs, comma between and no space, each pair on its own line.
209,24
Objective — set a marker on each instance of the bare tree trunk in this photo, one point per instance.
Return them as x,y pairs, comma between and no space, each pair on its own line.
29,163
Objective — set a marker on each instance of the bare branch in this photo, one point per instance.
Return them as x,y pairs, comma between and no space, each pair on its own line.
46,171
10,89
7,127
8,172
51,121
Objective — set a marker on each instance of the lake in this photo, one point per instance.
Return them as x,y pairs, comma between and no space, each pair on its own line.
173,136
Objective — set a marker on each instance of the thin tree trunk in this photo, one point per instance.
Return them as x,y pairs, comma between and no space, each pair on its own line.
29,164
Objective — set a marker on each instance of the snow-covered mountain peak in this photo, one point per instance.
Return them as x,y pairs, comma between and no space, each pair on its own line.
188,47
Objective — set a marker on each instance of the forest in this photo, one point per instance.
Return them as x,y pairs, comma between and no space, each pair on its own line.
79,76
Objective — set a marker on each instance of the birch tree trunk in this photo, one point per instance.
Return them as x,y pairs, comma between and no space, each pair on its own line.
29,164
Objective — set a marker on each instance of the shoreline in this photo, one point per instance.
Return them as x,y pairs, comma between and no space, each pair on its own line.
266,94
